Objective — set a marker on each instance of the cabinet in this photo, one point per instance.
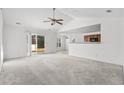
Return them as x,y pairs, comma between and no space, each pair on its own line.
92,38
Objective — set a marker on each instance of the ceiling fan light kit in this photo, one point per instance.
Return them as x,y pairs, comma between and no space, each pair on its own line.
54,20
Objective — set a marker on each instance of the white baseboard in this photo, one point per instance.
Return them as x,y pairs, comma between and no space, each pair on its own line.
123,73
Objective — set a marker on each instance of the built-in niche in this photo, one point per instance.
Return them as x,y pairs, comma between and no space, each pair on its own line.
86,34
92,38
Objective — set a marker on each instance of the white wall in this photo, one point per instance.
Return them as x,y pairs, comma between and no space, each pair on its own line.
50,42
110,50
15,41
123,40
1,38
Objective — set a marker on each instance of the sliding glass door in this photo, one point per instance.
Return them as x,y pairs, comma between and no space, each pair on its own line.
38,44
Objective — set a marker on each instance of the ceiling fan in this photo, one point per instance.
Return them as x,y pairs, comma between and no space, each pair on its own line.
54,20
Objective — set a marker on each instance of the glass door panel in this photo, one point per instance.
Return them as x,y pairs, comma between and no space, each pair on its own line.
40,44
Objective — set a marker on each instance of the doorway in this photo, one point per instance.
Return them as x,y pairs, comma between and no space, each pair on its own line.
37,44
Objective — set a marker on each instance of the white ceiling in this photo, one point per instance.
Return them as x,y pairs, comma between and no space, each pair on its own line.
34,17
93,12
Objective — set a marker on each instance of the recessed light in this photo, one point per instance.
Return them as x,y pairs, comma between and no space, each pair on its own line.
108,11
18,23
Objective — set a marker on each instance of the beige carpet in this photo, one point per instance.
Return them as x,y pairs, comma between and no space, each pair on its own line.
59,69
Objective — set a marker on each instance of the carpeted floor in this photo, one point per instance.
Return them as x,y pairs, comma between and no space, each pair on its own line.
59,69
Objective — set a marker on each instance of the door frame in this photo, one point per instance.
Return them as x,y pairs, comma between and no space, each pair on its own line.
29,42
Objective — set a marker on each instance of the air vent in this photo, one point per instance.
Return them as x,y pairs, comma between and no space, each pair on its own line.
108,11
18,23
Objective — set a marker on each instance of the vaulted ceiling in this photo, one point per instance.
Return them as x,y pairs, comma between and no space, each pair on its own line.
93,12
34,17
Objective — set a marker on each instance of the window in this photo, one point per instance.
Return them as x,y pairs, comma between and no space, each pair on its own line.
58,42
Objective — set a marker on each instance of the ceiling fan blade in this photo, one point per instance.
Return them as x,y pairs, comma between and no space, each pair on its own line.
59,19
59,23
51,19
